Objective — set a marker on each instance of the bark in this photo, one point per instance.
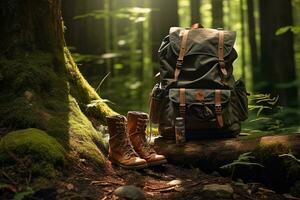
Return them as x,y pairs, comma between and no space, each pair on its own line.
217,14
243,57
277,53
252,42
41,85
90,29
163,17
195,13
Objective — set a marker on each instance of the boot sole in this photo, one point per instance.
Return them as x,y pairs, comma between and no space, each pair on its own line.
129,166
154,163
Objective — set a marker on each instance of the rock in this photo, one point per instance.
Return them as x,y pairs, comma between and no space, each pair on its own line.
212,191
130,192
174,182
290,197
215,173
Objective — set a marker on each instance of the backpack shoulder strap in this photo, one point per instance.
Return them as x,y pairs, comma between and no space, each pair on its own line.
181,53
221,54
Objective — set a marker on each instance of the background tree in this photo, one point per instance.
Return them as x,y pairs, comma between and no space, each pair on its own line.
163,17
195,11
277,52
252,42
41,86
217,13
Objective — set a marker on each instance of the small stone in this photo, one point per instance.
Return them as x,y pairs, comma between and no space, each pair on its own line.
130,192
70,186
212,191
215,173
174,182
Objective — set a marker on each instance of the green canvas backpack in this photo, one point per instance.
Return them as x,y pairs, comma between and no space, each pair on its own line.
197,84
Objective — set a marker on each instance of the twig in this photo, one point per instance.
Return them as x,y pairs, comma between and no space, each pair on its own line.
162,189
10,179
105,183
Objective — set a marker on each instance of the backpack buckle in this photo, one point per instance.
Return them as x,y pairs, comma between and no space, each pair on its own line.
218,109
179,63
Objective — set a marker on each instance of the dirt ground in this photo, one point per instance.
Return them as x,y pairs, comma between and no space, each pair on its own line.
83,181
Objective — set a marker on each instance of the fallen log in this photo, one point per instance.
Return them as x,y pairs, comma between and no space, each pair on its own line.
210,154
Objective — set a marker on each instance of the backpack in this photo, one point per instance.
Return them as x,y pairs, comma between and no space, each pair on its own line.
197,84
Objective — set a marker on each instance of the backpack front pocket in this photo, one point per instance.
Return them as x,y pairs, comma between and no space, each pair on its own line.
201,108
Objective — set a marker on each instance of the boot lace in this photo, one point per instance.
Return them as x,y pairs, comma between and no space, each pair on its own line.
141,128
121,129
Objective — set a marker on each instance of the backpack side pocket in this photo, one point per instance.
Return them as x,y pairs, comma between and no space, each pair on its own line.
240,100
156,98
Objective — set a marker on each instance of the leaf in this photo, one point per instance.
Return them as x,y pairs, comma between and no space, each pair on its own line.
289,155
282,30
23,194
8,186
95,102
295,29
110,55
241,163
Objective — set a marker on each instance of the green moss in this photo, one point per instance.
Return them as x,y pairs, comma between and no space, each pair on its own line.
83,92
267,153
39,90
43,150
83,135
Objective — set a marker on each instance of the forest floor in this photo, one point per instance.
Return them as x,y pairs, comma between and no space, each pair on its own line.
162,182
83,181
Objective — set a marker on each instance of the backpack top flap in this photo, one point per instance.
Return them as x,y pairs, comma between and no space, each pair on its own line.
193,96
202,41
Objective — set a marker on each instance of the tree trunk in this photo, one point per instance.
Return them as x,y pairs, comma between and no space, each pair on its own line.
243,57
41,86
217,13
277,53
163,17
195,13
252,42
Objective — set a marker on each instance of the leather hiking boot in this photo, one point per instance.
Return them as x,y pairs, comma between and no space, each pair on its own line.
121,151
137,124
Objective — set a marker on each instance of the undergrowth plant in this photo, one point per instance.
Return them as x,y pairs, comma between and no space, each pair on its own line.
243,160
266,116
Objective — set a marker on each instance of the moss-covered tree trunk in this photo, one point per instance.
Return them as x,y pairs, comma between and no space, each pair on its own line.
40,85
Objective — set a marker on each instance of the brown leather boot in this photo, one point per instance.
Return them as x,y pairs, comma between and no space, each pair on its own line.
137,124
121,151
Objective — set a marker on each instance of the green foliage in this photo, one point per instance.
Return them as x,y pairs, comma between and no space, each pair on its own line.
134,14
262,102
23,194
291,156
266,117
243,160
285,29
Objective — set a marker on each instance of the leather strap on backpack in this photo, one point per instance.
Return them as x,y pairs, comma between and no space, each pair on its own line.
182,102
181,54
221,54
218,108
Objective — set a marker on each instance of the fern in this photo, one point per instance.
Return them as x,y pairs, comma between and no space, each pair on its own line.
244,160
289,155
